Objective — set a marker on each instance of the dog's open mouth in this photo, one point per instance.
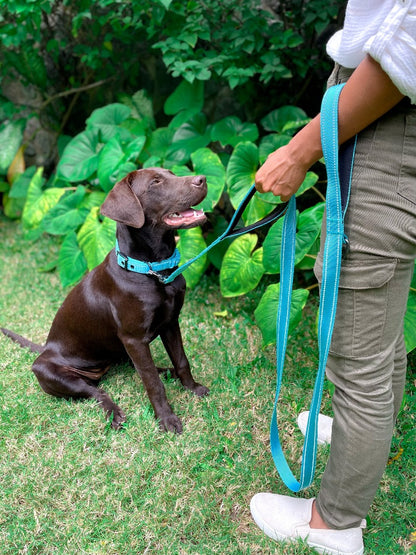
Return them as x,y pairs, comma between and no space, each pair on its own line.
187,218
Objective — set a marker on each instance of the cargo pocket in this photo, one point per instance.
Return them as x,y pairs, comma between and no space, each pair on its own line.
363,296
407,177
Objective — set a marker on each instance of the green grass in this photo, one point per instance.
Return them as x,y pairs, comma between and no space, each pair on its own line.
70,484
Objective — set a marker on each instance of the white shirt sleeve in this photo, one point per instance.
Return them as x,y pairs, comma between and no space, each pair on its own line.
393,46
362,20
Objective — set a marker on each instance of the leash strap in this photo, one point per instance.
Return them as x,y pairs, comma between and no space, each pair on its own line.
328,296
232,231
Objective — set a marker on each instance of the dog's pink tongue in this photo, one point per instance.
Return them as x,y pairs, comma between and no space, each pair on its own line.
187,217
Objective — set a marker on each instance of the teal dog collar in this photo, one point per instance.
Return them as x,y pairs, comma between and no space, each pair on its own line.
151,268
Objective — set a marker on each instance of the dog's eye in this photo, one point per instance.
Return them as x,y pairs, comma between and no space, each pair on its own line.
156,180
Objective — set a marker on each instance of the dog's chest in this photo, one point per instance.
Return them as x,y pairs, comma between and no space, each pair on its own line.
160,306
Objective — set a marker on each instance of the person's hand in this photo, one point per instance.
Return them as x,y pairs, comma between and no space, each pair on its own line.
282,174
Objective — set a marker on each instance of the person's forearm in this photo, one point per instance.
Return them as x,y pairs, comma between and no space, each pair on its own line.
368,94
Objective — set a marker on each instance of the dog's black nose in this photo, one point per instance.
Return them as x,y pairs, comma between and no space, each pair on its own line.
199,181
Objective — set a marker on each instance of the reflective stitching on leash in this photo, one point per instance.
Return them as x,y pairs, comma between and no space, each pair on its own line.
329,295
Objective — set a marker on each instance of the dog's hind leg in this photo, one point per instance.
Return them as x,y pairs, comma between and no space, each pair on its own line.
63,381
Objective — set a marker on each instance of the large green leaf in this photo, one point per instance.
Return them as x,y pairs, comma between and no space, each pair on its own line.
413,284
182,117
272,245
191,243
241,270
308,261
309,228
186,96
241,171
231,131
114,161
160,141
141,107
285,119
208,163
181,170
93,199
266,311
188,138
96,238
4,186
11,136
111,157
21,184
217,253
270,143
314,215
71,261
410,322
39,202
133,149
80,158
67,215
13,207
258,208
310,179
108,119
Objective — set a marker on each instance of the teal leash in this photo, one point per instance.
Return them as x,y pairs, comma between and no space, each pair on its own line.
232,230
333,250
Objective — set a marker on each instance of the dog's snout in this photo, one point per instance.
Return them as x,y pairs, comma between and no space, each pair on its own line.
199,181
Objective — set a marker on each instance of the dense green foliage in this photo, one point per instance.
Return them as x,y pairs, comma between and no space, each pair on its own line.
62,45
62,50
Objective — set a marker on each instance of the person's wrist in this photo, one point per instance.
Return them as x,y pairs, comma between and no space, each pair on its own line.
305,147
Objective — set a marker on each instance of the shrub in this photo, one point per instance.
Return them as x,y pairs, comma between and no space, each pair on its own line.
120,137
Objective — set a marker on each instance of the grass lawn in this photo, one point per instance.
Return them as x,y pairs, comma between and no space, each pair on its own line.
71,485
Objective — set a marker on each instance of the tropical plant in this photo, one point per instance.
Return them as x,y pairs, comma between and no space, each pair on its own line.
122,136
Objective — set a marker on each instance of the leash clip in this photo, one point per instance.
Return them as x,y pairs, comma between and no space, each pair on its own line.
345,248
155,274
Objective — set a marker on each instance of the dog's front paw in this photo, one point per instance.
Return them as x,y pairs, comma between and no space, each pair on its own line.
171,423
200,390
118,418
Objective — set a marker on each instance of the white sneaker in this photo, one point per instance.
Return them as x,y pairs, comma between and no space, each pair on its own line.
284,518
324,426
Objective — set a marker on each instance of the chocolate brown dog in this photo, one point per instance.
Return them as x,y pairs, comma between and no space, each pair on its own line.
115,313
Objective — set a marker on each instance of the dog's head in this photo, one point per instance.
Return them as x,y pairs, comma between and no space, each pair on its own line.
158,197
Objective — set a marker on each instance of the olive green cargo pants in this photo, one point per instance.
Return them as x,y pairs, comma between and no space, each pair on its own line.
367,360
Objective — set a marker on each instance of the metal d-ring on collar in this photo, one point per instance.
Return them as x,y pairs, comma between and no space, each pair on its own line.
150,268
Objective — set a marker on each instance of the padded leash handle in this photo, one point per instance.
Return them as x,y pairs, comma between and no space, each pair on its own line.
277,213
233,231
328,297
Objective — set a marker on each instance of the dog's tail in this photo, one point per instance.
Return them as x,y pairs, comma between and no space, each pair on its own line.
22,341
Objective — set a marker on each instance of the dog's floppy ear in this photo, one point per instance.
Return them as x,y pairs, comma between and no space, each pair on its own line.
122,205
